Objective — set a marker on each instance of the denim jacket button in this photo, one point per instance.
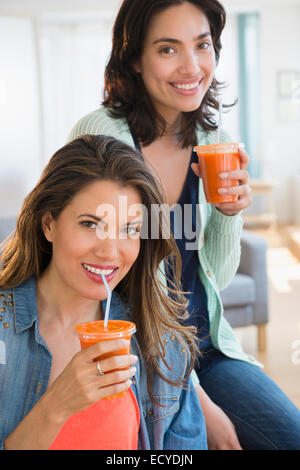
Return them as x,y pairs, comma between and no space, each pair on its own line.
133,380
3,310
5,325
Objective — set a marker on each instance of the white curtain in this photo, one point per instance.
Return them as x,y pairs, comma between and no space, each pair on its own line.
51,74
73,54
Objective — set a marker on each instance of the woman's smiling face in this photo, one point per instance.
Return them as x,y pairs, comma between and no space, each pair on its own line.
178,60
81,247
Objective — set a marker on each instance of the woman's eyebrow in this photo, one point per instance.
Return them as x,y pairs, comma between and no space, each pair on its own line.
176,41
97,219
134,222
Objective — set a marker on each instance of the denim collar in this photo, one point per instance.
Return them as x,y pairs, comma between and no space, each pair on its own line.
25,305
26,311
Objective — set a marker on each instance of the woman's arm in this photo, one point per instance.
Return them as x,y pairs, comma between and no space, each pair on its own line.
76,388
221,434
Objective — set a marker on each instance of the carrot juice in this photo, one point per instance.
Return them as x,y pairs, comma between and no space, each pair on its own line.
90,333
215,159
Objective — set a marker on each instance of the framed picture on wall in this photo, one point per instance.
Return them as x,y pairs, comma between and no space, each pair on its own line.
288,95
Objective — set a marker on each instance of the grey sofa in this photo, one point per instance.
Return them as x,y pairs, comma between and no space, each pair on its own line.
245,300
7,224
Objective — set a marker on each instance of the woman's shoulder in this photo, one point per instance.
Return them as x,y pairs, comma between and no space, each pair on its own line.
20,299
101,121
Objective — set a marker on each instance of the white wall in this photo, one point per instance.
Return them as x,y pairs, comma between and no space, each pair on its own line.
227,71
20,147
25,112
280,50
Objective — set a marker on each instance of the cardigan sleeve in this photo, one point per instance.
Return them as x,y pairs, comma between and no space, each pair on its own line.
222,248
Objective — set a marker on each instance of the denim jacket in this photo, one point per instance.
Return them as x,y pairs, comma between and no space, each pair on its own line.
25,364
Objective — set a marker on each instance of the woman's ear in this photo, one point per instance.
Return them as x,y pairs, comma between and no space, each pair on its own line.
47,226
136,67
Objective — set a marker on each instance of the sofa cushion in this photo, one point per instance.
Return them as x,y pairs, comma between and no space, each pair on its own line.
7,225
241,291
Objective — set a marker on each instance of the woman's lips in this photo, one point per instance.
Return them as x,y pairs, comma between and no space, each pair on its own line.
186,87
95,272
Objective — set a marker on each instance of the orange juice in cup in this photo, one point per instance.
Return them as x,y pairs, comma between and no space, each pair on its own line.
215,159
90,333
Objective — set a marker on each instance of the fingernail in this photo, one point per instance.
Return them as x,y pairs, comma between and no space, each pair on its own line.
133,370
223,175
134,358
222,191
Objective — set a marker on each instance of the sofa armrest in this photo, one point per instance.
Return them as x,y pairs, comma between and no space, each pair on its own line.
254,263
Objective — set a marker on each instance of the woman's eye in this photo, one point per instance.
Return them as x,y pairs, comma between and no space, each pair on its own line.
88,224
167,50
204,45
132,230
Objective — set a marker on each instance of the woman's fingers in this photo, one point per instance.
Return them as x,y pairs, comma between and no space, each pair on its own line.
103,347
240,191
244,158
114,377
117,362
196,169
105,392
240,175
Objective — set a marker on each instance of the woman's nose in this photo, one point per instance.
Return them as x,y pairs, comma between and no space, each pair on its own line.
107,248
189,63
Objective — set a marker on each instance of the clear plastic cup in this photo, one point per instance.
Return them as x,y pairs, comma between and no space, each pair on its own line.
90,333
215,159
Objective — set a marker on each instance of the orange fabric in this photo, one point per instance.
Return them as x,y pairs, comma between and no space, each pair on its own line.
105,425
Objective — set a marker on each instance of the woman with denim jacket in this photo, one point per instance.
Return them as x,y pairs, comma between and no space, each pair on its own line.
88,215
161,96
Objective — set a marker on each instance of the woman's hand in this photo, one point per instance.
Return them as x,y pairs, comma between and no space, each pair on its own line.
79,385
76,388
221,434
243,190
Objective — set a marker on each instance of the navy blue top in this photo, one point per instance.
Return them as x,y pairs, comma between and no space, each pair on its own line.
186,228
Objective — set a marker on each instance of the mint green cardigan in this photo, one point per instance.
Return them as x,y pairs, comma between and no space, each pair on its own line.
219,241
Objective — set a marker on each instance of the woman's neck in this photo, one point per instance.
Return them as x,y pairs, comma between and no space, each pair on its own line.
56,303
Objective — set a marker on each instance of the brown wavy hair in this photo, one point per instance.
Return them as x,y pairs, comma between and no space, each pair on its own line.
27,252
125,94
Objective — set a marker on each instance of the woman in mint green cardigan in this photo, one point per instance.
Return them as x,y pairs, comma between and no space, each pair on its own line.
160,95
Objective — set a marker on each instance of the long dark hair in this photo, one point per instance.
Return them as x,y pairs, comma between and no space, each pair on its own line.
27,252
125,94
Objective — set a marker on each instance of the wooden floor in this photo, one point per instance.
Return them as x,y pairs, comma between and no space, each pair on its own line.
282,356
